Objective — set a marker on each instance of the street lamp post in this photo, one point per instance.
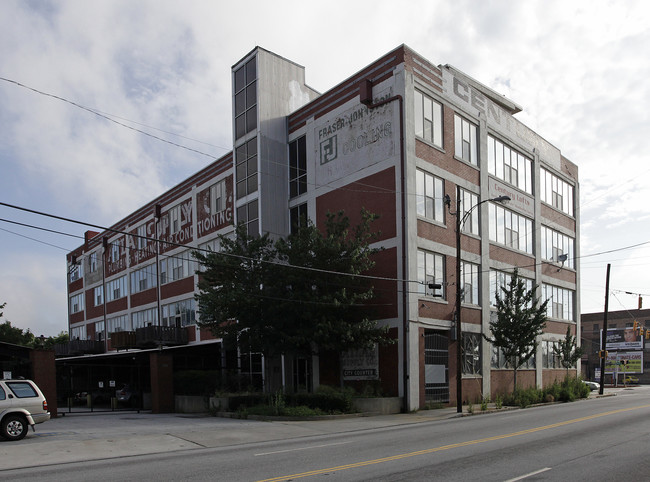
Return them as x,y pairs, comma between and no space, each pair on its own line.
460,221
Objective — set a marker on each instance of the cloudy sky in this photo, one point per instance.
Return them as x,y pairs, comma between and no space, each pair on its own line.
579,69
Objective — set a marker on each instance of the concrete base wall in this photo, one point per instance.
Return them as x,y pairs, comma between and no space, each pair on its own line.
383,406
190,404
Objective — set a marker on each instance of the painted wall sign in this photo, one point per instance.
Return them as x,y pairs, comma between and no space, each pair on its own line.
518,200
354,139
360,364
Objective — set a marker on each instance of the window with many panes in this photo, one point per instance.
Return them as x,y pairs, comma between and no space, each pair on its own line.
500,280
428,119
116,248
467,201
78,333
77,303
245,98
143,278
248,214
143,318
469,286
116,289
179,314
142,237
99,331
556,192
176,267
174,219
246,168
431,270
297,167
118,323
98,295
556,244
511,229
465,137
76,270
429,196
218,197
92,261
509,165
298,216
472,354
549,357
499,360
560,302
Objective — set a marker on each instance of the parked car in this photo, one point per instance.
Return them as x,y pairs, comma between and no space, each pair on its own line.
22,405
127,396
630,380
98,396
592,385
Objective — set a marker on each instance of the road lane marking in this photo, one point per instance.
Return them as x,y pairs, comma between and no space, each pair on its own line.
522,477
447,447
301,448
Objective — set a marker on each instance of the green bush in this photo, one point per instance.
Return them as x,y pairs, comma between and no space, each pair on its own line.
569,390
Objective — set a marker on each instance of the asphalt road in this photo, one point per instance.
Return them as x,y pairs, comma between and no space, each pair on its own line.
597,439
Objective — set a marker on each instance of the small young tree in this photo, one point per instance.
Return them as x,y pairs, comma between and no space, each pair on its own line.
567,350
519,320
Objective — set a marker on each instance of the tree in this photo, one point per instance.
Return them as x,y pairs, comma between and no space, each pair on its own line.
293,296
519,320
567,350
15,335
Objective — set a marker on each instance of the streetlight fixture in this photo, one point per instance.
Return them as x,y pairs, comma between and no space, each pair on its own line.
460,221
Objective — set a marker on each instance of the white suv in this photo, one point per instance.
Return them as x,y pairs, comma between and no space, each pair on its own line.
21,404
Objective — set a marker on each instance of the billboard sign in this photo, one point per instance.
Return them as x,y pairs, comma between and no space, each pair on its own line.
623,339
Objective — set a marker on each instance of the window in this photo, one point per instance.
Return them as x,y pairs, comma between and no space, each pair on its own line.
472,354
430,193
511,229
22,389
556,192
248,214
143,279
555,244
118,323
179,314
297,167
218,197
143,318
92,262
298,216
246,168
245,98
467,201
499,360
560,302
177,267
99,331
116,289
549,358
431,269
509,165
428,119
469,287
76,270
78,333
174,218
116,248
77,303
465,136
501,279
142,236
99,295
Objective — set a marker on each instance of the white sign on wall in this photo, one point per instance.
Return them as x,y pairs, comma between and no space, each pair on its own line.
354,139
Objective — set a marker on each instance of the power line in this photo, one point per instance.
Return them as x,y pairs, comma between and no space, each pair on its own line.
99,114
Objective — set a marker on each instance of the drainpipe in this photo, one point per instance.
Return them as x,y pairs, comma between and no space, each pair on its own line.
365,94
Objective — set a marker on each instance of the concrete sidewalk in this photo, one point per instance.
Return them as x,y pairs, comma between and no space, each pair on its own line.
80,437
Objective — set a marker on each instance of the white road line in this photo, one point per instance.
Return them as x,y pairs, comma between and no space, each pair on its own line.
528,475
302,448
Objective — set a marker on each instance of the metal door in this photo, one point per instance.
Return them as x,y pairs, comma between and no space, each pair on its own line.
436,366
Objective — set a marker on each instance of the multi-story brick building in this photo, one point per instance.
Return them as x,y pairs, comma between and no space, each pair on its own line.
397,138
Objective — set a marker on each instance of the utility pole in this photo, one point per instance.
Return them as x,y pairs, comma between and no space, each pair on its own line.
603,337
